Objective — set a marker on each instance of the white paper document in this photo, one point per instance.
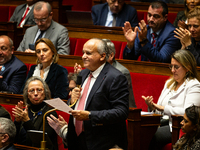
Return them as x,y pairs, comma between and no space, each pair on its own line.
146,113
59,104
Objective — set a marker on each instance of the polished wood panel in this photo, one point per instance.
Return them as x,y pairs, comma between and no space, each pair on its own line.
141,129
131,65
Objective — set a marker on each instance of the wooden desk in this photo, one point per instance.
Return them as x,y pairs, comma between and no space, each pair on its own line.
131,65
141,129
94,31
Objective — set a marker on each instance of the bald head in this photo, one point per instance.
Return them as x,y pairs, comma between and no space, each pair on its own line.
94,53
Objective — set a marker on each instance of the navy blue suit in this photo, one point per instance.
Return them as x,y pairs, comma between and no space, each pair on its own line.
166,45
14,75
128,13
108,103
56,80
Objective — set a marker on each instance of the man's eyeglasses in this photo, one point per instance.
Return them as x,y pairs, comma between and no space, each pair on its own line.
32,91
70,89
176,67
41,20
2,133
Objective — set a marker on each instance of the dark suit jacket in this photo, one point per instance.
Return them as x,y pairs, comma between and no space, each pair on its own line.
166,45
108,104
17,15
14,75
36,124
10,147
56,80
128,13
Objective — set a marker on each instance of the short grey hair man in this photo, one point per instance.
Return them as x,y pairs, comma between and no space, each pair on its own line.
7,133
124,70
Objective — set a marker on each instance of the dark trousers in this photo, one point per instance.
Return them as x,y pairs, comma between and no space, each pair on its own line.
162,137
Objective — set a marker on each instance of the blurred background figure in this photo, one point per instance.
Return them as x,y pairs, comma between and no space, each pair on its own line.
190,38
181,19
47,68
191,127
7,132
4,113
114,13
23,14
31,118
124,70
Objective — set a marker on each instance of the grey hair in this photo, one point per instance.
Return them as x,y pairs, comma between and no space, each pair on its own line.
72,76
47,91
111,47
102,47
38,6
7,126
9,39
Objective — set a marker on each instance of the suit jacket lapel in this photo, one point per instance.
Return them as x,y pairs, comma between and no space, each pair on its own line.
51,72
97,84
29,14
104,15
20,13
50,30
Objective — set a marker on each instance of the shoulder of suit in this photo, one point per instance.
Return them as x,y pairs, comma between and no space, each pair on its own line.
17,61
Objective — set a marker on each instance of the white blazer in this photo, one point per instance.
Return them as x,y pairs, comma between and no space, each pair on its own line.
186,95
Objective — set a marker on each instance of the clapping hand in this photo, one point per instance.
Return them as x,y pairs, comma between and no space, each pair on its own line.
184,35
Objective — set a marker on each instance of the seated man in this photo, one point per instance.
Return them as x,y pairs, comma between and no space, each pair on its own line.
114,13
23,14
154,42
124,70
46,28
13,71
8,132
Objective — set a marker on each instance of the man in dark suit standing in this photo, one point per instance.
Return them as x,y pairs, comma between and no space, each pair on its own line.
23,14
154,42
98,120
12,70
7,132
114,13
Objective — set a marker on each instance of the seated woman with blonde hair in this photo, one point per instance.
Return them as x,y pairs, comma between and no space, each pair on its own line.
180,91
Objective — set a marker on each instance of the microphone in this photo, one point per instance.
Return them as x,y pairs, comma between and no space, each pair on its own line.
78,84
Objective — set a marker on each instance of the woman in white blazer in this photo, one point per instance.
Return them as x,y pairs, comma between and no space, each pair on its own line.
181,91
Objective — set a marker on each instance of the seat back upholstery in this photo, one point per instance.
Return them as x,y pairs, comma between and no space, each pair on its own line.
147,85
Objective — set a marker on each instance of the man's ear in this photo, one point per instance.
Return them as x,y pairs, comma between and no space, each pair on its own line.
112,55
103,57
166,16
12,49
5,138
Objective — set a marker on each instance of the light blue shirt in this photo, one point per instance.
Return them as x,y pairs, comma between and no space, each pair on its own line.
109,18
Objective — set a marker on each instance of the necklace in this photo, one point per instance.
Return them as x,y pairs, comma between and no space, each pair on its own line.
34,113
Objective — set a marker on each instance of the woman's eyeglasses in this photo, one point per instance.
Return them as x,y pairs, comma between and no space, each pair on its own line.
32,91
176,67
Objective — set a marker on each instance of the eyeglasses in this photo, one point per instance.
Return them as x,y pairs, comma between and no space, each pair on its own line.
176,67
41,20
70,89
2,133
32,91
